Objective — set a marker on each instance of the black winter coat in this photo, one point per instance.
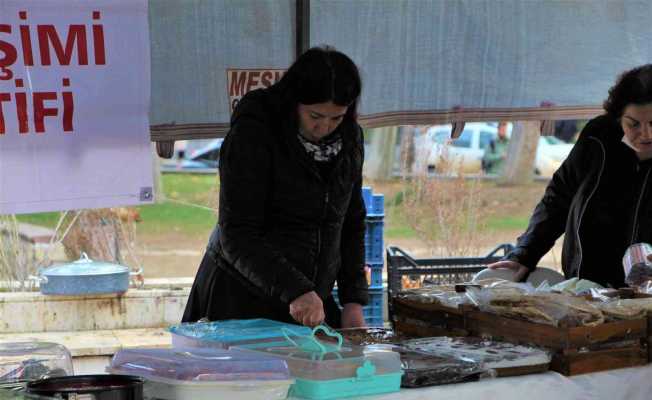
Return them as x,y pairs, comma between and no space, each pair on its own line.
285,227
600,199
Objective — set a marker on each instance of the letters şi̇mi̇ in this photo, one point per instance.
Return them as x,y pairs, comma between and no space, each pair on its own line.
47,39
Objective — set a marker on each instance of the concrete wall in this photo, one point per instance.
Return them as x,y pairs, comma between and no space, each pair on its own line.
34,312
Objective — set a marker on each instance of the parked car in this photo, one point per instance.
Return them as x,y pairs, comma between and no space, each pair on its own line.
205,157
464,154
551,152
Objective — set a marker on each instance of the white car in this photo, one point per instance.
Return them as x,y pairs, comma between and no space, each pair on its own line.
464,154
551,152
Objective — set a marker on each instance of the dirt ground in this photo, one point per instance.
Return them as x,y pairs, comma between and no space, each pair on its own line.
171,254
177,255
162,261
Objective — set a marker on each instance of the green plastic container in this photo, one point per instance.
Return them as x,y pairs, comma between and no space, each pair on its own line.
327,369
347,387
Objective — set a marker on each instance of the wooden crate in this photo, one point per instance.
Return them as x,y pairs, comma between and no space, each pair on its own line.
576,350
558,338
575,363
426,320
628,293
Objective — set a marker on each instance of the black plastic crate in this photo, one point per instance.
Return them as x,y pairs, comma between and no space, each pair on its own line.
437,271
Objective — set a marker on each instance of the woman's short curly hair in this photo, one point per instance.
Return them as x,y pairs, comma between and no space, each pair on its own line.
632,87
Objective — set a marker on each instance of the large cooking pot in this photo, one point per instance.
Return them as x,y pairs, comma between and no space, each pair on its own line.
89,387
85,276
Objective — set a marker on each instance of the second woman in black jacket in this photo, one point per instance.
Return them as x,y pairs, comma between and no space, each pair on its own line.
600,196
291,214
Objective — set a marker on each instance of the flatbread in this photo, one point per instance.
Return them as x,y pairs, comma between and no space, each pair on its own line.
547,308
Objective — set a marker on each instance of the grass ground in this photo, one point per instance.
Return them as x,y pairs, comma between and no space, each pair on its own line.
172,234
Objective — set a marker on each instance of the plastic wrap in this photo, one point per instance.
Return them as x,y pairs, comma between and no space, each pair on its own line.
646,287
199,365
547,308
422,369
489,353
576,286
235,332
367,336
205,374
626,309
444,295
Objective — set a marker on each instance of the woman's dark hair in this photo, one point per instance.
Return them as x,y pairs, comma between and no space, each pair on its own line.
632,87
320,75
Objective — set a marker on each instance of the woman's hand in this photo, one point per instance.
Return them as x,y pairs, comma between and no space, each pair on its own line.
520,270
352,316
308,309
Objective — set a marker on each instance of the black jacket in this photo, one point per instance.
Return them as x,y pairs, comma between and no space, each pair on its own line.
600,200
285,227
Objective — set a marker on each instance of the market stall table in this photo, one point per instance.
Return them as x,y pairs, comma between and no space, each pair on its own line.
626,383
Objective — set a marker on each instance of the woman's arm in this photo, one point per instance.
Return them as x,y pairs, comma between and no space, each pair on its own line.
245,182
548,221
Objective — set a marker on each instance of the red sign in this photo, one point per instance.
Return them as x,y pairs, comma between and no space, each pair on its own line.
241,81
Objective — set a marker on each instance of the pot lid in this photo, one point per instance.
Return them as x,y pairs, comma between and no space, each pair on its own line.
85,266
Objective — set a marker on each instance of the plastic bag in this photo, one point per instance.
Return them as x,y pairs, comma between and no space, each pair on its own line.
423,369
489,353
444,295
547,308
626,309
575,286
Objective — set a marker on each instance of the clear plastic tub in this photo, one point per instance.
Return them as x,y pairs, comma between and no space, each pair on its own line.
324,370
205,374
28,361
236,332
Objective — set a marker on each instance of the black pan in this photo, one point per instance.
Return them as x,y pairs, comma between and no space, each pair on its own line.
89,387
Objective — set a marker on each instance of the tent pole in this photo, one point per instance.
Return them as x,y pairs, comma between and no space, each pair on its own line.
302,26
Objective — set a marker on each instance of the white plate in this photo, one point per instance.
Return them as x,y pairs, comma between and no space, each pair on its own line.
535,278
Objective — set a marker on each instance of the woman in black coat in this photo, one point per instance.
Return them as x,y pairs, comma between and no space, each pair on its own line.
600,196
291,214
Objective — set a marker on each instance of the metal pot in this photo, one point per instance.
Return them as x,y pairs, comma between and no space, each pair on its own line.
85,276
89,387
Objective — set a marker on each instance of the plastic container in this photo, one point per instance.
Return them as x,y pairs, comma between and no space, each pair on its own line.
205,374
91,387
28,361
235,332
422,369
638,269
325,370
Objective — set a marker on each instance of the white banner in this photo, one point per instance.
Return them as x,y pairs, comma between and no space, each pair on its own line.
74,101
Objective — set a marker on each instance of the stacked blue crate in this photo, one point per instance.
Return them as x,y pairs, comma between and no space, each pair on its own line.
374,252
373,311
373,238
